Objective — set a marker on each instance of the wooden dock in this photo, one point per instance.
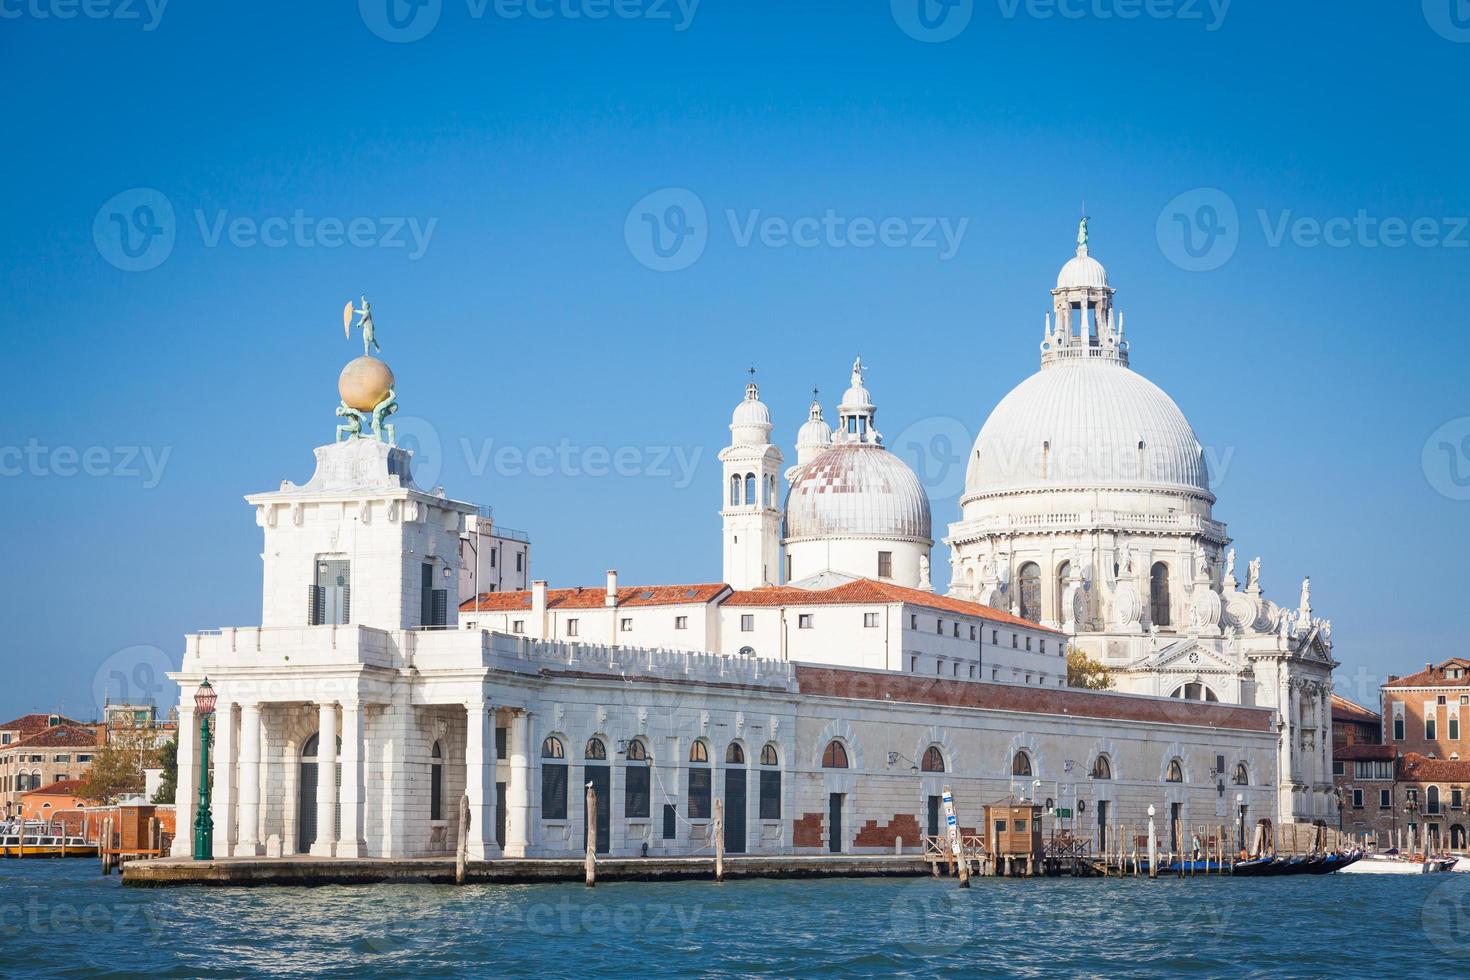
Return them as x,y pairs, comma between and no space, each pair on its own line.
310,871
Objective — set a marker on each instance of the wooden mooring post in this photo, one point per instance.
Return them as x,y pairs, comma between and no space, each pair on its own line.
590,862
462,839
719,831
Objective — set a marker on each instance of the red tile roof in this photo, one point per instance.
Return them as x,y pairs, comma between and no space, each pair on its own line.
60,736
29,725
1364,751
62,787
861,591
1435,676
1345,710
1415,768
593,598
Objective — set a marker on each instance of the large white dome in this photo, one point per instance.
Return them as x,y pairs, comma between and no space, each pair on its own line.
857,490
1086,423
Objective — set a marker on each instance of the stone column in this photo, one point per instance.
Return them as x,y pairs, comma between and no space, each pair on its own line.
222,797
479,763
352,843
186,797
326,781
518,790
248,844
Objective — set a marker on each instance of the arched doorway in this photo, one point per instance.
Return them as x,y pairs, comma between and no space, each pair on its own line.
1029,591
595,770
1457,837
306,787
735,799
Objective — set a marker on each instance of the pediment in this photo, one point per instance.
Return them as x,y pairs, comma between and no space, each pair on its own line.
1192,656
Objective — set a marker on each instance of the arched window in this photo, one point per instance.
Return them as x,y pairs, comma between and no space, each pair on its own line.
595,749
1021,764
747,651
770,783
1175,773
933,760
834,756
636,781
1431,800
700,782
1158,594
771,491
1102,768
1029,591
1194,691
750,488
1242,775
553,779
735,490
735,755
436,783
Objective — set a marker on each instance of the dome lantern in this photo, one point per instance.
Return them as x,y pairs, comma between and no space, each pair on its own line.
1082,324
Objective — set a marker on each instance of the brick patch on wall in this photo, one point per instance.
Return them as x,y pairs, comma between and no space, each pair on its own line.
904,825
807,832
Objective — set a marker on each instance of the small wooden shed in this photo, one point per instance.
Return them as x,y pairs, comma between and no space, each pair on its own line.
1013,830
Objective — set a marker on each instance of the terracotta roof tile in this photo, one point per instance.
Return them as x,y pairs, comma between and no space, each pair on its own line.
1363,751
865,590
1436,676
28,725
1415,768
1345,710
59,736
592,598
62,787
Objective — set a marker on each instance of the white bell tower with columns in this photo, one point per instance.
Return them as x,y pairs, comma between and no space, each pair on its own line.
751,514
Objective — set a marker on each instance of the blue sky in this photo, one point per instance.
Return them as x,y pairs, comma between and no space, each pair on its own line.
1315,337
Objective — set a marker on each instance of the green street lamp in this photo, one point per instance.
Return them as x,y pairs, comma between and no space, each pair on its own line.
204,700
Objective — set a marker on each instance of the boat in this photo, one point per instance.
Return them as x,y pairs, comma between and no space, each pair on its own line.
45,845
1394,863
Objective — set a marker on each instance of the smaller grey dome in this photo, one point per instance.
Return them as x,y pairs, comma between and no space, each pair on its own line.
857,490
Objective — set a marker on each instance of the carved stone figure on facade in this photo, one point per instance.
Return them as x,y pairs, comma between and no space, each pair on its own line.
1253,575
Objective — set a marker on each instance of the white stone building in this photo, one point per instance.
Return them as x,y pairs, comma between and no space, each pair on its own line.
824,714
1087,507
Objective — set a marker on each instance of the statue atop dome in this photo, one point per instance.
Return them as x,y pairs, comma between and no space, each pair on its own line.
366,383
1082,234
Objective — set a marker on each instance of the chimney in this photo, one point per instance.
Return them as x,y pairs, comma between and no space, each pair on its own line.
611,599
1428,668
538,609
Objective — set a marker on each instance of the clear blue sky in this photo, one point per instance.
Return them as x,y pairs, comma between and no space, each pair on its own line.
1319,372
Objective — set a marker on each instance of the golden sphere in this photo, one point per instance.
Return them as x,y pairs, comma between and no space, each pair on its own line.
364,382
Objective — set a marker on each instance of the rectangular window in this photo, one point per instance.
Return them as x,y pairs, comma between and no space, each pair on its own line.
671,821
636,796
1440,700
61,758
331,594
493,553
573,626
1428,729
699,794
913,622
973,632
1357,799
914,664
501,751
681,622
1000,826
1457,798
885,564
939,626
518,626
1014,641
747,623
804,621
1454,729
972,672
625,625
436,791
1383,769
520,561
870,620
1385,799
1398,729
956,631
553,791
939,667
1028,643
1337,768
770,794
84,758
995,638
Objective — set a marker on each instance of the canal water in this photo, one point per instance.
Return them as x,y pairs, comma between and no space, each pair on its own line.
61,918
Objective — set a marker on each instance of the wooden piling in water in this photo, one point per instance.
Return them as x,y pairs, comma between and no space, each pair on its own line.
461,843
719,840
590,861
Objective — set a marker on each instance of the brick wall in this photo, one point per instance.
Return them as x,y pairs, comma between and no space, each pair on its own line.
808,831
904,825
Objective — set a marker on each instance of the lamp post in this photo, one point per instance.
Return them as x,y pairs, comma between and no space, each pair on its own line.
204,700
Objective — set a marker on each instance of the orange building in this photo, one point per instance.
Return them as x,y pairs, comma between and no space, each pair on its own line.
60,797
1428,713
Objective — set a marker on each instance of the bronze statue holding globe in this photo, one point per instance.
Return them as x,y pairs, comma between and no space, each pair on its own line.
366,383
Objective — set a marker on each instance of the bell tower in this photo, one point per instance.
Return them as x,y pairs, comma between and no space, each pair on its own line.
751,514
